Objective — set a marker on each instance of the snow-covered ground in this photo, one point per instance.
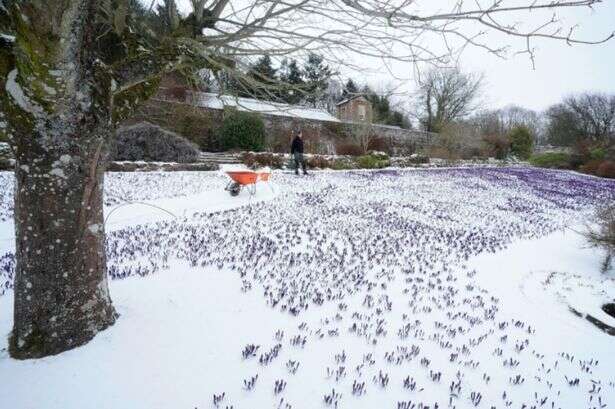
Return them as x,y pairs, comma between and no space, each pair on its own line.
387,289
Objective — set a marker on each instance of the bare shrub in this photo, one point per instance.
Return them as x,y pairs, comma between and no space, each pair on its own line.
456,141
262,159
440,152
606,169
603,234
496,146
405,147
348,148
193,123
318,162
363,135
446,95
314,143
591,167
278,138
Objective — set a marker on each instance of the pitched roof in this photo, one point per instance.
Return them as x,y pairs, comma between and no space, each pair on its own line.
215,101
342,102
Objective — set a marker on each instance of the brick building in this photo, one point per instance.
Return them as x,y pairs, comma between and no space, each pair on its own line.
355,109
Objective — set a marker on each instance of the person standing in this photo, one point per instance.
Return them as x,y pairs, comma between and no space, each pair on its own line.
296,150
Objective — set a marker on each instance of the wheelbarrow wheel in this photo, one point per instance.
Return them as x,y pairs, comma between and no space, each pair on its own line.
234,189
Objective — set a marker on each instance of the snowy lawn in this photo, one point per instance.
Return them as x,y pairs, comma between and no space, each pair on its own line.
389,289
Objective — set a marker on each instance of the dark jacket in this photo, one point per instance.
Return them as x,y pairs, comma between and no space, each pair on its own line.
296,146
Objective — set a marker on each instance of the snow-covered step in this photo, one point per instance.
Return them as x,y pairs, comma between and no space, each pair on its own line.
216,158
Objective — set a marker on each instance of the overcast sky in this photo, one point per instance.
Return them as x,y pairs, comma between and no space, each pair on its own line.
559,70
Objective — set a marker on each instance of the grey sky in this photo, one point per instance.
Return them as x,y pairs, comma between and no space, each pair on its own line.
559,70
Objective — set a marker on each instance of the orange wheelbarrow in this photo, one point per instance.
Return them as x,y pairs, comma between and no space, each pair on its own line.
245,179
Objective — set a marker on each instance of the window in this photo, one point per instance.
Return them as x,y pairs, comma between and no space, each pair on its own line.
362,112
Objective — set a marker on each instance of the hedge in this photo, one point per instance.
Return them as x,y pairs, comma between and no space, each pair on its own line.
558,160
242,131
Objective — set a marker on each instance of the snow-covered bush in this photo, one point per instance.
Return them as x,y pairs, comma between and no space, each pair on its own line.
148,142
374,160
262,159
409,161
193,123
330,162
280,160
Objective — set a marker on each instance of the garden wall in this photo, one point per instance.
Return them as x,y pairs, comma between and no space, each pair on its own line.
321,137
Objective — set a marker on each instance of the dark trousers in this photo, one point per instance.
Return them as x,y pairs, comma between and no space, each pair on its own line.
299,161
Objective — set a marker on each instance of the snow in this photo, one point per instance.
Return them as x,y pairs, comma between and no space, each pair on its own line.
453,284
549,275
18,95
7,37
215,101
58,173
232,167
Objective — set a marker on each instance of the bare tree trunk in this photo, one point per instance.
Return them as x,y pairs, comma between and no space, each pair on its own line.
61,294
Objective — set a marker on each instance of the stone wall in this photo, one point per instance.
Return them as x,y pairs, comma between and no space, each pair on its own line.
404,141
324,137
321,137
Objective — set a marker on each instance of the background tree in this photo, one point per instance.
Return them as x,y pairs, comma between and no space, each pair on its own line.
264,78
317,75
446,95
501,121
562,128
595,113
291,82
350,89
383,112
74,69
521,141
287,83
457,140
587,116
332,95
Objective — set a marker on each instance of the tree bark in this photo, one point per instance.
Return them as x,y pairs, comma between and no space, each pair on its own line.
61,295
